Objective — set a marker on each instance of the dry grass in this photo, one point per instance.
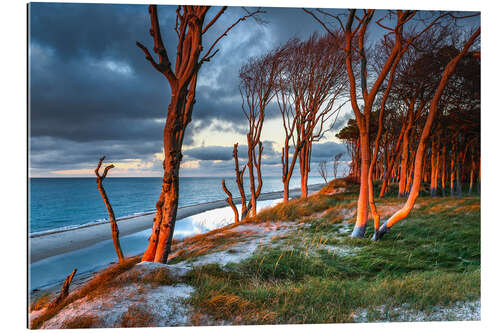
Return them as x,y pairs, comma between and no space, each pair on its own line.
137,316
216,240
98,285
222,306
83,322
41,302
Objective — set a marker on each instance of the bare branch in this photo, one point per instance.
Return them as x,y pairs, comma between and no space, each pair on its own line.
243,18
216,17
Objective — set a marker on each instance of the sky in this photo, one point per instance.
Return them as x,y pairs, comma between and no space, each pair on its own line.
92,92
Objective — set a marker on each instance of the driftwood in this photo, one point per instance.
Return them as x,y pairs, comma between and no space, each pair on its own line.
114,226
230,202
64,290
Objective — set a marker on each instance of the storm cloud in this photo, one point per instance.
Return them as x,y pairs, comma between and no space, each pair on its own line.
92,93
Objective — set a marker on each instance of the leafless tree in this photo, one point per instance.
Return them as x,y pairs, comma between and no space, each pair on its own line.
257,88
190,28
308,87
323,170
336,163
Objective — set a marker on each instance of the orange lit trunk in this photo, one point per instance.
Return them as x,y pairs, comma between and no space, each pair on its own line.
390,168
471,180
363,202
443,171
452,174
304,162
434,162
166,208
406,146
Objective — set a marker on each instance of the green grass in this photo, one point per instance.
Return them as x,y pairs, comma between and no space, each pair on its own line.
430,259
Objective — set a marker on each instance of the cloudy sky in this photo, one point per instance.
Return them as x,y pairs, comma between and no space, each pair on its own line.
92,93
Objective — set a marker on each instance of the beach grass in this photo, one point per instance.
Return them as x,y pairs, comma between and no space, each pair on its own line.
321,275
316,273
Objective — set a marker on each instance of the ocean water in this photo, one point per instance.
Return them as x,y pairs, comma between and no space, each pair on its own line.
61,203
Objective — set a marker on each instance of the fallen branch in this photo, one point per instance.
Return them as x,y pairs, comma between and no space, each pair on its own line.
64,290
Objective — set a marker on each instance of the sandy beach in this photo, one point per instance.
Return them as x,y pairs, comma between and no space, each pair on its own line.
47,245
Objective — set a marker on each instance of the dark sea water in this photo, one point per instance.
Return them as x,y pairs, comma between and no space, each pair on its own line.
59,203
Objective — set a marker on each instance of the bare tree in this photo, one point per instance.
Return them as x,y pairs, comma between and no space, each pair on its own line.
182,78
336,163
257,83
309,85
323,170
112,221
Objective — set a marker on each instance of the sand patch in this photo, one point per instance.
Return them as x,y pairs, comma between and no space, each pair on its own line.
460,311
131,304
256,236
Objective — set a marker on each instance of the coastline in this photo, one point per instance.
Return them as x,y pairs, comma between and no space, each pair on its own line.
52,243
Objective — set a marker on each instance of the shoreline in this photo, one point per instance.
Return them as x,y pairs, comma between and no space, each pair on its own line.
52,243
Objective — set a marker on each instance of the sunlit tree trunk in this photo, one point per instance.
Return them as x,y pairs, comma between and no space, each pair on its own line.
406,147
443,171
452,172
471,177
434,162
394,154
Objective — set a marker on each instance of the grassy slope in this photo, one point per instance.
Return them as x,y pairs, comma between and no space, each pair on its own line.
320,275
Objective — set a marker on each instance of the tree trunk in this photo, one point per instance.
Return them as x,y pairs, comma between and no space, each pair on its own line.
230,202
304,156
443,171
452,174
471,180
362,208
394,155
286,190
406,145
164,223
434,160
112,221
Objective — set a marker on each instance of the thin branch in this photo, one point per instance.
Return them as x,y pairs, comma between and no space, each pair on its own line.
243,18
321,22
216,17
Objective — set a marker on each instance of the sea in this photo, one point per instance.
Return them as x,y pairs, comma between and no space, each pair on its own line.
66,203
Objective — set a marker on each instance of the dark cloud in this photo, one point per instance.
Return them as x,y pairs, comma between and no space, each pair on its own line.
59,154
211,153
93,93
326,151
